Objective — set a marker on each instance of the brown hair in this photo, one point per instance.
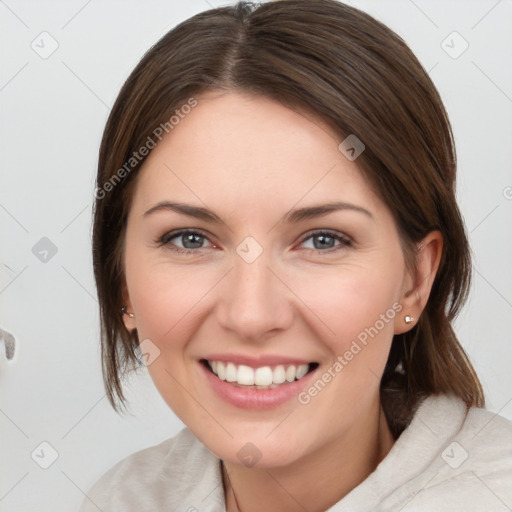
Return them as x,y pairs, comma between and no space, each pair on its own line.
354,73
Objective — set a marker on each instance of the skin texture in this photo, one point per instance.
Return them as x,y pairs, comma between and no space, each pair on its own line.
250,160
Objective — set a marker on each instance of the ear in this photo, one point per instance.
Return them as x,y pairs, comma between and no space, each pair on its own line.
416,288
129,322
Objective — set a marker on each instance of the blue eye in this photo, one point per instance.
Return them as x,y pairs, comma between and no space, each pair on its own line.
325,241
191,241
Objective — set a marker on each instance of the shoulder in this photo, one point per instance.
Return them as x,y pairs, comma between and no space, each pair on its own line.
160,477
448,458
471,468
482,443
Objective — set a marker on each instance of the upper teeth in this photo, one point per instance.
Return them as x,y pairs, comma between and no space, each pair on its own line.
263,376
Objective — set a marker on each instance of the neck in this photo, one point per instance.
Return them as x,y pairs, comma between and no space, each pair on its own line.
336,468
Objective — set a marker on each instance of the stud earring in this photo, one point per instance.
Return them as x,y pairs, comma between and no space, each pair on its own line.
124,312
408,319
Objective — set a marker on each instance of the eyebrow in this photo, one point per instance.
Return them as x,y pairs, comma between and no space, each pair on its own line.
292,217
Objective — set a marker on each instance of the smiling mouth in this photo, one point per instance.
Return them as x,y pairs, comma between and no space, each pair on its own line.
264,377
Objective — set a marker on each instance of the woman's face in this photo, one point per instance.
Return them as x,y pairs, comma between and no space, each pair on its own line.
258,279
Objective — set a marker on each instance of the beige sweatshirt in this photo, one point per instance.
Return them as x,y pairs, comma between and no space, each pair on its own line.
448,459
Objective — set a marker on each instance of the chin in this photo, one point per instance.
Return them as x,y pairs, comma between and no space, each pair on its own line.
251,448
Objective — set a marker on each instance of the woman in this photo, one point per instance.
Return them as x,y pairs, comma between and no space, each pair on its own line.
276,238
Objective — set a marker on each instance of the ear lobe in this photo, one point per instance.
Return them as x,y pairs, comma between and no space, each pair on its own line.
127,310
415,298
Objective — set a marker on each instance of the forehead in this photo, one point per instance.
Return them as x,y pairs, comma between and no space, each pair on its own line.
234,149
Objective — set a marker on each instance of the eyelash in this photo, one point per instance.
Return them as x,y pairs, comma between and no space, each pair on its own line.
166,238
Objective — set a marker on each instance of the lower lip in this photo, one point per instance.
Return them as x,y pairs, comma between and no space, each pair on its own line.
252,398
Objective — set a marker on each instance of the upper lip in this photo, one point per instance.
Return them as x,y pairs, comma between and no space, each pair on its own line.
257,362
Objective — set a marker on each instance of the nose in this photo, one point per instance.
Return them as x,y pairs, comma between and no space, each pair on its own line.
255,304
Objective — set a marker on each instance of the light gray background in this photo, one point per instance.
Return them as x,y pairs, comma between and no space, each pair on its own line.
53,112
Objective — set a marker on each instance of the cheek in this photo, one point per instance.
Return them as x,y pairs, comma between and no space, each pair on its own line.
167,301
165,298
360,306
353,303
